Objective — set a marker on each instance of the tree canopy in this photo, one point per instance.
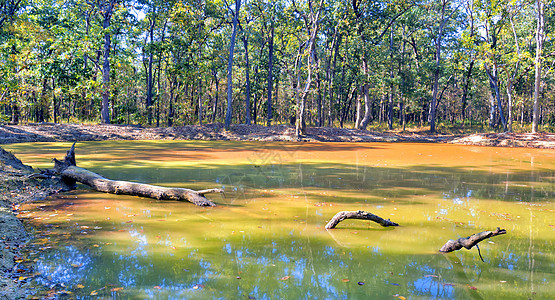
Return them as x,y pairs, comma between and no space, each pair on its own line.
299,62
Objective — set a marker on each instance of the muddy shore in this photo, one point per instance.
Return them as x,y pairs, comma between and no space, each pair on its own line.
74,132
17,184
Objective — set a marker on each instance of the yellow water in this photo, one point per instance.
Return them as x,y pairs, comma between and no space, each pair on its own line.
266,238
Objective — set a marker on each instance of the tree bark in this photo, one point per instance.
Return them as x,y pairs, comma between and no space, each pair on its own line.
71,173
152,22
494,83
228,113
365,92
359,215
216,81
471,241
538,62
248,81
437,69
108,9
270,76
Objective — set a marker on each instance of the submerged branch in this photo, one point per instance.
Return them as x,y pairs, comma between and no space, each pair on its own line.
471,241
360,215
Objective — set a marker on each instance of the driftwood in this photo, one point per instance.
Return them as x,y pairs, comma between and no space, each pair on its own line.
471,241
360,215
71,173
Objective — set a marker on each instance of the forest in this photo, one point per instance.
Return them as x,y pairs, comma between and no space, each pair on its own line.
392,63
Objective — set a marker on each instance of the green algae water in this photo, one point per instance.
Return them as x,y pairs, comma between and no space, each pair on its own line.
266,238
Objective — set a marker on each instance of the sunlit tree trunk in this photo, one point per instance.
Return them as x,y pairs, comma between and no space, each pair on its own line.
494,83
149,83
215,106
438,40
312,23
199,86
107,9
228,113
270,75
365,92
538,62
391,77
248,82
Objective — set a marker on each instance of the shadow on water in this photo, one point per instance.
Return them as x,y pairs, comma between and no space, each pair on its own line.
355,183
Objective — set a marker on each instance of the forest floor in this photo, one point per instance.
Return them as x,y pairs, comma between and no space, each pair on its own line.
17,184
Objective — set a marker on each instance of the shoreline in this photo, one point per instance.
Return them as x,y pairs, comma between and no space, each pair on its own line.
17,186
74,132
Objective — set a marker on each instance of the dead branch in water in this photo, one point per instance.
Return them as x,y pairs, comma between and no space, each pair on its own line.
71,173
471,241
360,215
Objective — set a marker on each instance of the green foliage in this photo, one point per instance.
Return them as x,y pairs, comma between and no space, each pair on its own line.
51,60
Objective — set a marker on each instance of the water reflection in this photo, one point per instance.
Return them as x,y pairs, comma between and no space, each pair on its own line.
266,239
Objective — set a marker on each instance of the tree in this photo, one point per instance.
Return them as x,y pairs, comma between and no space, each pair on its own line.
106,10
312,24
540,7
235,14
445,16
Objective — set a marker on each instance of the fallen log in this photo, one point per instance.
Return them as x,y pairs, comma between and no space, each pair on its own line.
471,241
360,215
70,173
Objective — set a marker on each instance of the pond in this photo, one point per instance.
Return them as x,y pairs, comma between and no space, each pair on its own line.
266,238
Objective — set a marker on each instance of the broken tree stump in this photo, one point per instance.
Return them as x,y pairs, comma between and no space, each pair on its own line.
471,241
360,215
71,173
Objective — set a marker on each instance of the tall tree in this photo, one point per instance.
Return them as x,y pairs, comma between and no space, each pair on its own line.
106,9
540,36
235,14
311,21
444,17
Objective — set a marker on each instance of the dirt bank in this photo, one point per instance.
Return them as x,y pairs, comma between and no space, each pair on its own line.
71,132
16,186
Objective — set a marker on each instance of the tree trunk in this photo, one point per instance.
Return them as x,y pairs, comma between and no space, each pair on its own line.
270,75
494,83
359,215
149,75
313,32
228,113
391,77
54,102
367,108
465,90
433,105
358,122
71,173
215,108
107,8
170,104
248,81
199,87
538,62
102,184
331,83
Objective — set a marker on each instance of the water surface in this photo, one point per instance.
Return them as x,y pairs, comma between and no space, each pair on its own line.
266,238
